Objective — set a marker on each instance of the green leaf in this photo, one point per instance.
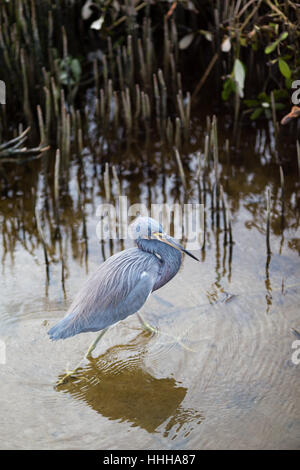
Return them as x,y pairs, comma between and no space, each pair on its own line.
239,76
63,77
284,68
271,47
280,106
283,36
251,103
229,87
76,69
278,94
273,25
289,82
207,34
263,96
256,113
69,71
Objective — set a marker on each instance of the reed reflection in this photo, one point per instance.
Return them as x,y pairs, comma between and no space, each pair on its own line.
225,186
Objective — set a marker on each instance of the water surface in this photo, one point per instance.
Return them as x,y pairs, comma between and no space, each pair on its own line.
219,374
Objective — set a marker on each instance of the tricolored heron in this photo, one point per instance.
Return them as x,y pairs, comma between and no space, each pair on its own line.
122,284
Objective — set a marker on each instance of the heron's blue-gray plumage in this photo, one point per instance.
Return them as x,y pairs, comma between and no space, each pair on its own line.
170,259
119,287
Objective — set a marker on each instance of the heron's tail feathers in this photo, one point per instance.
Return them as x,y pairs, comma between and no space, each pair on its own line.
63,329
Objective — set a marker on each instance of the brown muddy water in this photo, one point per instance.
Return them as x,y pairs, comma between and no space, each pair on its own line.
220,373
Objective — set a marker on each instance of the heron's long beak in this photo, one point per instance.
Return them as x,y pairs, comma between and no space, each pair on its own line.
163,237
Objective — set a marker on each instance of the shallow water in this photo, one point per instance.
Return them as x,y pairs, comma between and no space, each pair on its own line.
219,374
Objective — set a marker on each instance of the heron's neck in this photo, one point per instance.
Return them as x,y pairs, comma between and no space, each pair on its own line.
169,258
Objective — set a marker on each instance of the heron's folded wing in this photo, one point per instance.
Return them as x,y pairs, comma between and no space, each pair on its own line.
117,289
130,304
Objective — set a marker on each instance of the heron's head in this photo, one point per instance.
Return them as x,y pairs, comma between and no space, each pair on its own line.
145,228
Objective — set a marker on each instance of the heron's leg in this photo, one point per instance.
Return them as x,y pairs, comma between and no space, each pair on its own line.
94,343
87,355
69,373
146,325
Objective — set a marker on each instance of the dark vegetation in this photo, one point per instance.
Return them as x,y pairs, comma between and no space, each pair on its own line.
118,77
149,65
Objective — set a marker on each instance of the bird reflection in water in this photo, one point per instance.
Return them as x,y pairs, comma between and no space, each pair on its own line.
118,387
